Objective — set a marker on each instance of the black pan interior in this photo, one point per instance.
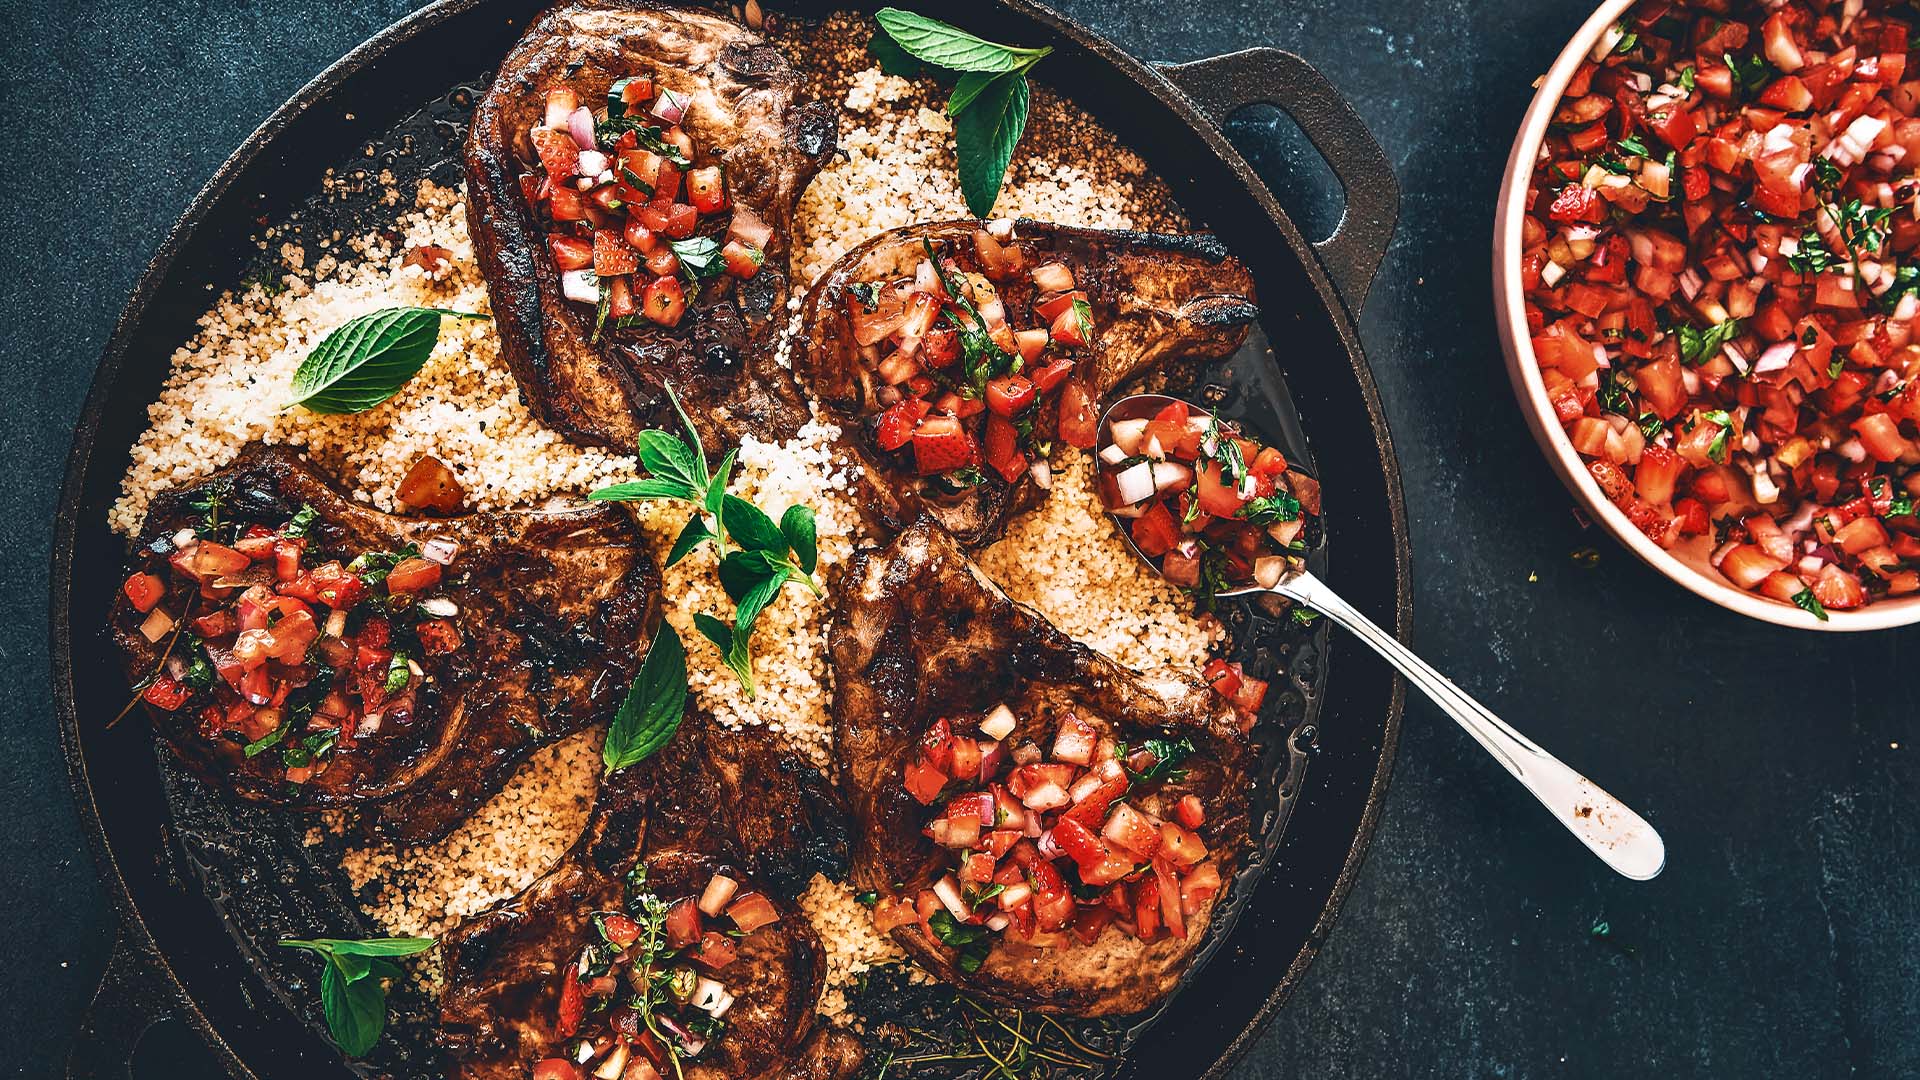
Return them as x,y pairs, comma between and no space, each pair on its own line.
404,100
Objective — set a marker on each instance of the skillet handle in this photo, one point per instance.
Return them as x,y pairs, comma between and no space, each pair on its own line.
131,998
1266,76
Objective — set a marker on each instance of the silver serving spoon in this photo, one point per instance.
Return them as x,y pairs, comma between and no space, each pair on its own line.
1621,838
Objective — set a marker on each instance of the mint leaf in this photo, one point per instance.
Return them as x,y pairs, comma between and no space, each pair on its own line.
356,1011
949,46
1809,603
750,527
715,631
666,457
695,534
966,89
985,135
798,526
654,705
742,571
645,491
367,359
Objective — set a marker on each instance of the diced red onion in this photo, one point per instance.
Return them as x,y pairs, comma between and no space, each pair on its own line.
670,106
440,550
580,126
1776,357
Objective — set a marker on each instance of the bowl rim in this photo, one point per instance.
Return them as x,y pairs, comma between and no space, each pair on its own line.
1524,371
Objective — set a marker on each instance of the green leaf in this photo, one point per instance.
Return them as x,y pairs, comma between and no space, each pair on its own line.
367,359
695,534
1809,603
700,258
985,135
1699,346
750,607
717,487
798,526
715,631
654,705
742,571
693,435
645,490
951,47
966,89
646,134
668,458
398,946
897,61
356,1011
750,527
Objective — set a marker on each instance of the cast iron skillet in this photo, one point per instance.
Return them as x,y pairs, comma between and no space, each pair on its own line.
174,956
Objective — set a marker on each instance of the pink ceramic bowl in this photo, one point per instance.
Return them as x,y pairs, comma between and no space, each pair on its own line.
1686,563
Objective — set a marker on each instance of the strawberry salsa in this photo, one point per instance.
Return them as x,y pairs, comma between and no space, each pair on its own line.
648,989
1213,509
634,226
292,655
1052,846
1721,278
976,369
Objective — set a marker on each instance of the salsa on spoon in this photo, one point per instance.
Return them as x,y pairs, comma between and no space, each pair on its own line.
1217,512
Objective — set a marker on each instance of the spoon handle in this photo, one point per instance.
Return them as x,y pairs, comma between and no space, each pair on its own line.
1621,838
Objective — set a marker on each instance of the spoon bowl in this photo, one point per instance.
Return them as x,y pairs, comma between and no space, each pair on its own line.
1613,832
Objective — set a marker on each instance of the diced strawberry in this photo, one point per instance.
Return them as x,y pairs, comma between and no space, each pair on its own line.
941,445
612,255
559,154
664,301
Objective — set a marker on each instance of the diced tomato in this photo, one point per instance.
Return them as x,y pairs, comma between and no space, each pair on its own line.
573,1003
924,781
1045,379
556,1068
752,910
680,221
664,301
1002,447
165,693
1079,426
743,260
144,591
1217,497
1009,395
1072,327
715,952
1189,812
682,924
413,575
707,189
1155,532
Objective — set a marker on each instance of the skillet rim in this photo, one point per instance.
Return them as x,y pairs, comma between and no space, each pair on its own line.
134,944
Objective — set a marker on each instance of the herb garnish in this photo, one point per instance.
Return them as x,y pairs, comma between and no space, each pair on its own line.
1271,509
766,555
966,939
300,523
648,137
654,706
1699,346
353,987
1717,449
700,259
1167,756
367,359
1809,603
990,98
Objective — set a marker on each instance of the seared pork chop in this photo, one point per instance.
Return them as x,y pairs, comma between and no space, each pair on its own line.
742,113
307,676
920,637
1147,300
712,802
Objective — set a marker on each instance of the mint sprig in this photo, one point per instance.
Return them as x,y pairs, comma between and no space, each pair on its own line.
367,359
757,556
353,986
990,101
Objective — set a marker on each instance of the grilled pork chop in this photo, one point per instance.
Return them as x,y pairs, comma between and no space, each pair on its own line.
711,802
531,631
1148,299
742,113
922,635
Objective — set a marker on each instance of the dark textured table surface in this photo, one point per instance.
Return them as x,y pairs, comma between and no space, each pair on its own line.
1780,766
